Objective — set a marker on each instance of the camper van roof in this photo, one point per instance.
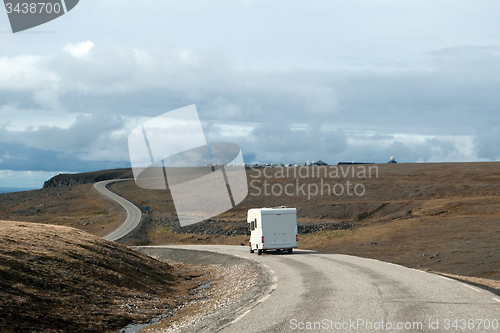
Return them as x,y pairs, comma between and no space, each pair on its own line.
276,210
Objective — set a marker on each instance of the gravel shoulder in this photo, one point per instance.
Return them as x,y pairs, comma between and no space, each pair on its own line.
236,286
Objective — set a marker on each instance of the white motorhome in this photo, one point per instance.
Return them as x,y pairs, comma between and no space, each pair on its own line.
273,229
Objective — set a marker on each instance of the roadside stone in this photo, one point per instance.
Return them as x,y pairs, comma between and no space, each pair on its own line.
238,227
231,283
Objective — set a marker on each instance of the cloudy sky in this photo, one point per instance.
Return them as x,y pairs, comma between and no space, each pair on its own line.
288,81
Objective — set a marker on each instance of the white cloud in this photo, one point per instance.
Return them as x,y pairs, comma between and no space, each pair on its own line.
7,109
26,72
79,50
487,141
27,179
18,119
341,114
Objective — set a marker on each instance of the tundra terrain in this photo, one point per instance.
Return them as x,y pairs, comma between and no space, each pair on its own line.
442,217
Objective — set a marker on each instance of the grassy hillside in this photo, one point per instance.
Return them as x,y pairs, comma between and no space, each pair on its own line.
79,206
59,279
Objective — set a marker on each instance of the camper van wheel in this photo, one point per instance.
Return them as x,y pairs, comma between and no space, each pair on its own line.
290,250
259,252
278,250
251,250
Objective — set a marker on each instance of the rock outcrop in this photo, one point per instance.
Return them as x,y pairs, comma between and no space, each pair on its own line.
87,177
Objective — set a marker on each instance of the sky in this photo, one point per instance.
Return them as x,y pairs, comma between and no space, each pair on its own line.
288,81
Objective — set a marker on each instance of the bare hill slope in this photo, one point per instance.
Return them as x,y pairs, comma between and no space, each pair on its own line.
59,279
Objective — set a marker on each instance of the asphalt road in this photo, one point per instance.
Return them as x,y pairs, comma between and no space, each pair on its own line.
318,292
343,293
133,213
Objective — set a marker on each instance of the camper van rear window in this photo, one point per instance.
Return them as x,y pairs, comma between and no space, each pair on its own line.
253,224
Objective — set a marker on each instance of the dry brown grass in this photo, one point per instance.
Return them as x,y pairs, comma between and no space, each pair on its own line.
449,209
79,206
59,279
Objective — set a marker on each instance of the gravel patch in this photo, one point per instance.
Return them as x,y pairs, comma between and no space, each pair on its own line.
230,284
235,284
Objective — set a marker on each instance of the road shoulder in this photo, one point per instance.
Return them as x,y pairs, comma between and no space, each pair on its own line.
240,284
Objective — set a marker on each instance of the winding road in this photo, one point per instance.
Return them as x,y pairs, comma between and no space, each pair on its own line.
316,292
133,213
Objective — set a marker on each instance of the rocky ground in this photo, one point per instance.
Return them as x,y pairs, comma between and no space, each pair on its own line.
236,283
232,285
236,227
87,177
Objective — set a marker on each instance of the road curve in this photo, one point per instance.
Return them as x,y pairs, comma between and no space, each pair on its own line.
342,293
133,213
